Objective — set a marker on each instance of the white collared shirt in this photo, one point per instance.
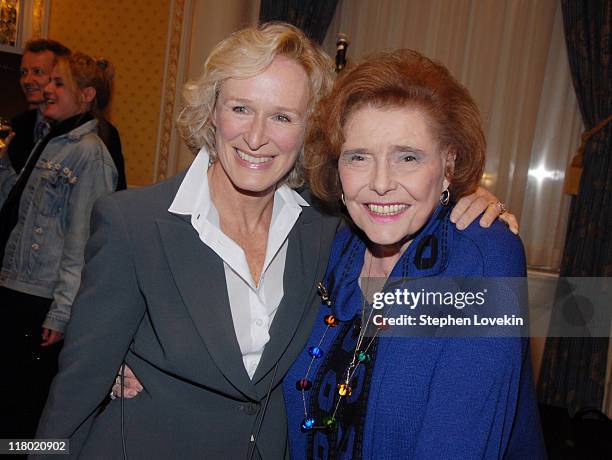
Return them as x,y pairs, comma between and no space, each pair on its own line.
253,305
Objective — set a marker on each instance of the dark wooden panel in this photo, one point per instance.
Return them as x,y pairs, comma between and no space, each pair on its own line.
12,100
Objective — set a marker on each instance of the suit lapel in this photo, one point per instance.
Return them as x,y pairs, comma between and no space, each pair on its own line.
299,283
200,278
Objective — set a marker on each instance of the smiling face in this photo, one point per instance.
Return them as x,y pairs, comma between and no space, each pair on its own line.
60,102
259,123
392,172
35,72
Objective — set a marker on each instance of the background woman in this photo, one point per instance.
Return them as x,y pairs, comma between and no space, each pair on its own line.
396,138
214,283
44,224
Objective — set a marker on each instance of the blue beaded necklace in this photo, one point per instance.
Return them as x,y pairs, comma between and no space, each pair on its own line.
360,356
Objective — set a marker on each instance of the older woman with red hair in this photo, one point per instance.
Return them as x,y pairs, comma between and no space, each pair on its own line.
397,141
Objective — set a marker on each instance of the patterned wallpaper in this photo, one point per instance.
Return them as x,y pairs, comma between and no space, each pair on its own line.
132,35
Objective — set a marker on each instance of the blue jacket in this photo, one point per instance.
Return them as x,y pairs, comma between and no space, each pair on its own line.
429,397
45,252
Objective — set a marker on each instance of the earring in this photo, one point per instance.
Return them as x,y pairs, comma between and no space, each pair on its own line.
445,197
342,198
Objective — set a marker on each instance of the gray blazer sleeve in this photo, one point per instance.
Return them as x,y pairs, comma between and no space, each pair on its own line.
105,316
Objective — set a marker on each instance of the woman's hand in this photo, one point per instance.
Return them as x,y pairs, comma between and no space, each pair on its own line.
49,337
131,386
471,206
4,144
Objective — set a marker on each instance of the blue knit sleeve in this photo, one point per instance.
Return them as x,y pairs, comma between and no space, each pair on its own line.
482,402
497,251
473,395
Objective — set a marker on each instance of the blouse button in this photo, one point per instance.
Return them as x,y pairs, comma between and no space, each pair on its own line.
259,321
35,247
38,230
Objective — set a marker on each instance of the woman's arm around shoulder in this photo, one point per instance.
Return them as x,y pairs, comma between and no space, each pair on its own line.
499,251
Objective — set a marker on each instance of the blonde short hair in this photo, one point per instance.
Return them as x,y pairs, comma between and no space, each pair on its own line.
244,54
80,71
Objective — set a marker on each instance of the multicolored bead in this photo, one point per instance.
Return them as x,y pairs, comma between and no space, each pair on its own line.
344,389
331,320
308,423
315,352
330,422
303,385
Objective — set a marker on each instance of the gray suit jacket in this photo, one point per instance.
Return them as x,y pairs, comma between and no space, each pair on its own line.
153,295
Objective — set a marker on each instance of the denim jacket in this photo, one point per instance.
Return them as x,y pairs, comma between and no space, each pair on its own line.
45,252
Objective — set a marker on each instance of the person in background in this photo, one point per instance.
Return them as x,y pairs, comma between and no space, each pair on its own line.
29,127
395,144
45,214
212,290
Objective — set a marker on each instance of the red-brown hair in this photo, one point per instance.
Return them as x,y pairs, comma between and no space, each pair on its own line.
402,78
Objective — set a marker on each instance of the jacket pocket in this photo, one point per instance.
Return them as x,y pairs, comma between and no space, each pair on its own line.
53,188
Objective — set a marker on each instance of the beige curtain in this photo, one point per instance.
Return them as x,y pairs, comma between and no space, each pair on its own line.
511,56
556,138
